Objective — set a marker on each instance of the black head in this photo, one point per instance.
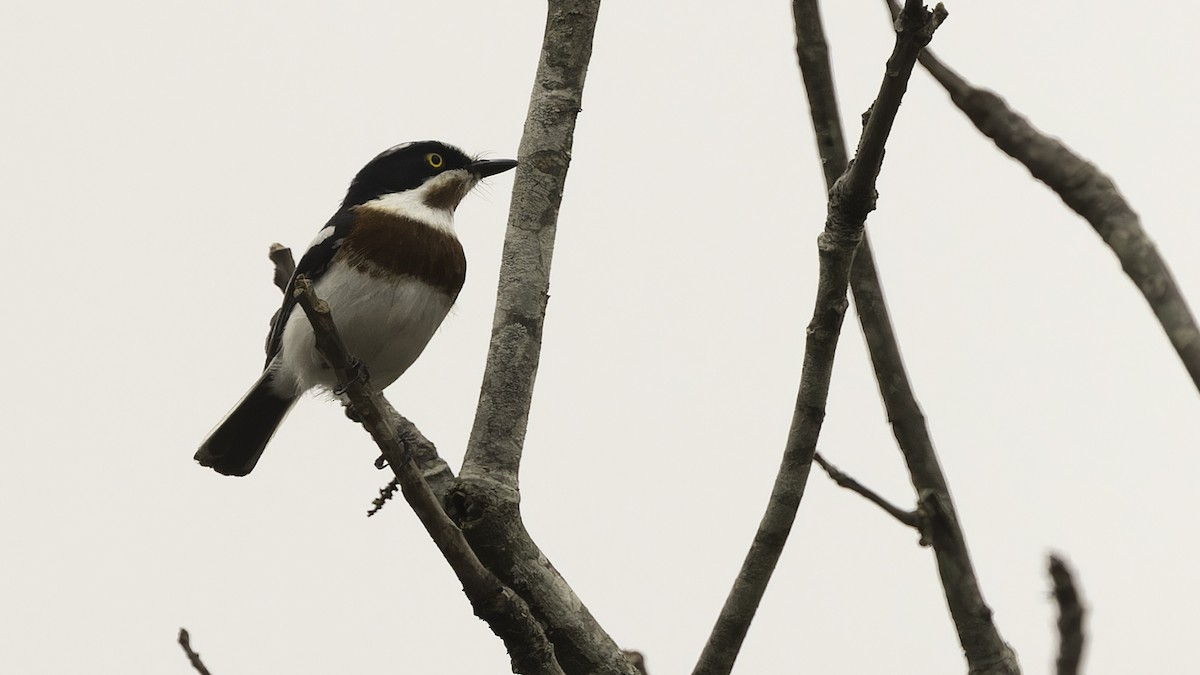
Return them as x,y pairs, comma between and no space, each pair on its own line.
409,165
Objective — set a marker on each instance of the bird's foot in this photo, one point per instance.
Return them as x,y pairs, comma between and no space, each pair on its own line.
360,375
405,447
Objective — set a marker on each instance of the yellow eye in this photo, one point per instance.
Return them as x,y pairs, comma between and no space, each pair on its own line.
434,160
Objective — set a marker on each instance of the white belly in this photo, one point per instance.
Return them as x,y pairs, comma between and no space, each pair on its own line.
386,326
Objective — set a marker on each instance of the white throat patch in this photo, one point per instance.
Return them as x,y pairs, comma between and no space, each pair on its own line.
414,203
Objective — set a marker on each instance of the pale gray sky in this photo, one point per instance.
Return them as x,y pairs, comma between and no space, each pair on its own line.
152,151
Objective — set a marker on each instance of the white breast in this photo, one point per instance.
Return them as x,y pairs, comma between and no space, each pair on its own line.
384,324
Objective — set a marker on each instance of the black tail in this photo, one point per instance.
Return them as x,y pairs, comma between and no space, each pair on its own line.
233,448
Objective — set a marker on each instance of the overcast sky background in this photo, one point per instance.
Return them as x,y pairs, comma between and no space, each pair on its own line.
151,151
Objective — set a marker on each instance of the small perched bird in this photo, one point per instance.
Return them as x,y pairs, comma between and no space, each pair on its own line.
388,264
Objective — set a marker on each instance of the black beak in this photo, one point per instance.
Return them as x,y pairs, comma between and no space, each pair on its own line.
490,167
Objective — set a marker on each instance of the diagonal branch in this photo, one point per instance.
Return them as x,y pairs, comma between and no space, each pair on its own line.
185,641
1088,192
842,480
985,649
436,471
505,612
850,200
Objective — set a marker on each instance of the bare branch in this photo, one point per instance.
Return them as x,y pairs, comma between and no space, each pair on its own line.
812,53
1070,617
985,649
385,495
185,641
1088,192
498,435
285,265
850,200
506,613
908,518
485,501
986,653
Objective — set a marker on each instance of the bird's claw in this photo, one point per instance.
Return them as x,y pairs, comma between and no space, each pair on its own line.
360,375
405,458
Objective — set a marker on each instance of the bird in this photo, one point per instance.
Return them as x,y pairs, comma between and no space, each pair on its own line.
389,265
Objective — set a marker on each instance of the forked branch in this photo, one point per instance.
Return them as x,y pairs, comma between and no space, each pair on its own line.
850,200
504,611
985,649
485,502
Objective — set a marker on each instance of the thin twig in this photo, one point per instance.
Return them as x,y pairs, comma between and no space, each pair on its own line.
985,649
385,495
908,518
850,200
284,267
1070,617
506,613
185,641
1088,192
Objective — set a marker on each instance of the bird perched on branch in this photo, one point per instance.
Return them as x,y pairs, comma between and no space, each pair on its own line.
388,264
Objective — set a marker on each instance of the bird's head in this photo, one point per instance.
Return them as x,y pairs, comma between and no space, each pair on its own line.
412,177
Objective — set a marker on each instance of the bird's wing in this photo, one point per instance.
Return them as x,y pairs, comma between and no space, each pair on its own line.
313,264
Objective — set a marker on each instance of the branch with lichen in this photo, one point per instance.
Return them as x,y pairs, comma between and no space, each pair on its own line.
851,198
485,501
